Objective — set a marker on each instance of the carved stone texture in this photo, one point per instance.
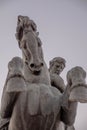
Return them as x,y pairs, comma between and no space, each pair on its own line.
28,99
15,75
4,124
57,65
76,79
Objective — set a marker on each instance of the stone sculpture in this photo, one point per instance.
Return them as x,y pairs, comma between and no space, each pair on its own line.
56,66
29,102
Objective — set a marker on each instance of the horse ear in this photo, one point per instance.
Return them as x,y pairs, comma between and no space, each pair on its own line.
20,20
19,29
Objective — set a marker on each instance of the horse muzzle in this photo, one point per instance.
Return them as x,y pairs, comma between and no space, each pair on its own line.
35,68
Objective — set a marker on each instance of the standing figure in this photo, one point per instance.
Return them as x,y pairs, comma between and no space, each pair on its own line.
56,66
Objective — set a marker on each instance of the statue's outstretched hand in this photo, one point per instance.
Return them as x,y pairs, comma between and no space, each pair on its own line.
78,87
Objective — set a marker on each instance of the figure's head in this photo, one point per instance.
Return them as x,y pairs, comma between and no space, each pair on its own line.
57,65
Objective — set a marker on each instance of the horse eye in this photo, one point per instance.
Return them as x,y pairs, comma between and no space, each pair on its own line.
39,42
24,45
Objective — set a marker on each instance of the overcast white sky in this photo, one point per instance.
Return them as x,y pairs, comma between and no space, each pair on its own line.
62,25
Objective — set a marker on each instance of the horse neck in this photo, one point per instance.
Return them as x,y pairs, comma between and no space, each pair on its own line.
43,78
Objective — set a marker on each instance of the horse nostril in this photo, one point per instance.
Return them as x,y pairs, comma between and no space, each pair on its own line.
42,64
32,65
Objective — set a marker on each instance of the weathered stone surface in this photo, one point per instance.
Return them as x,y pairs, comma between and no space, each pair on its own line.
28,99
57,65
76,78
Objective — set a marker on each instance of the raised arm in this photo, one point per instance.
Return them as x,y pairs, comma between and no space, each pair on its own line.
75,92
15,83
68,108
7,103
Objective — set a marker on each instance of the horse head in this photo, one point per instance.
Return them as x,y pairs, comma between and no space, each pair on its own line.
31,46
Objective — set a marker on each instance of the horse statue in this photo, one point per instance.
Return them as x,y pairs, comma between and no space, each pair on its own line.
29,102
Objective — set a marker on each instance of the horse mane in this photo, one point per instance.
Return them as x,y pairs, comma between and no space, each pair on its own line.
24,23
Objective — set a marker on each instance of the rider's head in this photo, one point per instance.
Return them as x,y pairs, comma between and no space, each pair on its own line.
57,65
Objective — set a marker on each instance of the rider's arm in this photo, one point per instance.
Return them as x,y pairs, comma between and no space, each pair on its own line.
68,109
7,103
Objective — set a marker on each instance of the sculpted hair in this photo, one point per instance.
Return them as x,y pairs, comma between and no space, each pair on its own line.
58,60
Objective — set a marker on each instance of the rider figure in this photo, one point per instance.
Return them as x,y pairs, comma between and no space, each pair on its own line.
57,65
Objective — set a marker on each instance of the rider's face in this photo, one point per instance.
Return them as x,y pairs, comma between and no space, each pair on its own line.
57,68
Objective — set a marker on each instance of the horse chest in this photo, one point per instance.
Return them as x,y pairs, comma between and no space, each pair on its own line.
39,99
36,108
